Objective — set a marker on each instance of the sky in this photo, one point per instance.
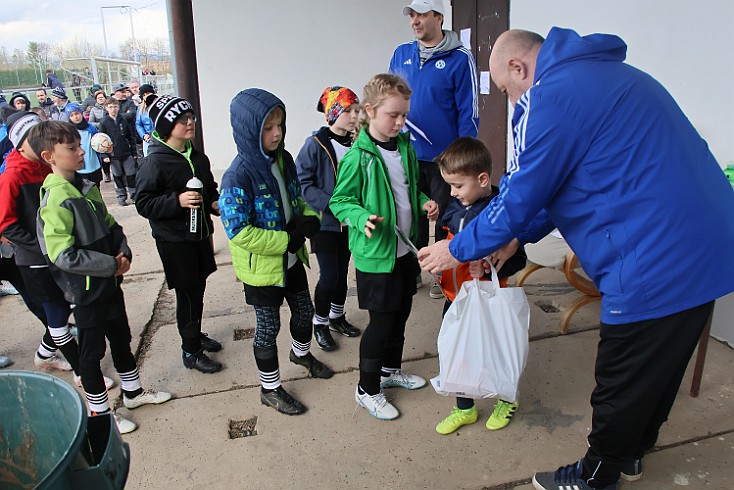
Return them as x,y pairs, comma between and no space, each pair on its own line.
63,20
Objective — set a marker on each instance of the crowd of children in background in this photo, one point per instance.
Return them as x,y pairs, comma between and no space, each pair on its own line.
352,191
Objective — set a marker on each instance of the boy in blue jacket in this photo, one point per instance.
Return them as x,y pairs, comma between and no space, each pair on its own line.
267,223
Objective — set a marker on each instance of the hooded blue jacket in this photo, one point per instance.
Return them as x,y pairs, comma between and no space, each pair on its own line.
249,197
603,152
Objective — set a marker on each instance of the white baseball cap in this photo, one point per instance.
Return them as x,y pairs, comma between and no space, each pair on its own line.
424,6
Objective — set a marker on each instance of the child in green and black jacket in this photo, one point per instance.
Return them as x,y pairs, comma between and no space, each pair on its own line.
88,254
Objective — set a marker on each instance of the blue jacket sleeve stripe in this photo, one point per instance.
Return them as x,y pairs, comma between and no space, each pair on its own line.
474,86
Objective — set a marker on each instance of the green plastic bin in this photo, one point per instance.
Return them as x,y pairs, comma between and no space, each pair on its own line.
48,442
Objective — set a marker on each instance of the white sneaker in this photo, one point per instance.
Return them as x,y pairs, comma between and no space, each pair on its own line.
147,397
403,380
53,362
435,291
109,383
5,361
377,405
125,426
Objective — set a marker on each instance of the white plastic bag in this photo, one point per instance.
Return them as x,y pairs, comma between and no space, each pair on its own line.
483,342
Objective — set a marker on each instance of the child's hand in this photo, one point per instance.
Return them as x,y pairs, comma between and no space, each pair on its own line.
190,199
478,268
370,225
123,264
432,209
503,254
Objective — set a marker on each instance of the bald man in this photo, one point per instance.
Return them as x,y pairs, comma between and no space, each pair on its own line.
603,152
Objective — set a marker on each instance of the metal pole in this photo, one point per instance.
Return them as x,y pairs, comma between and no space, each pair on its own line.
183,53
106,49
104,32
135,48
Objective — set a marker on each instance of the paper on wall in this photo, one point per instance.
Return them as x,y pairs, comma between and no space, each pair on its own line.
465,35
484,82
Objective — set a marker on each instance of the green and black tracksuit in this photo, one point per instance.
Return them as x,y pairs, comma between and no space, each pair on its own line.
80,240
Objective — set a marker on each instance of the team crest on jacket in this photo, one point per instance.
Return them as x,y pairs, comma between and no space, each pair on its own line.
440,64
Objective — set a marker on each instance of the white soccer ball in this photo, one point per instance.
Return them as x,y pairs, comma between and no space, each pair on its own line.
101,143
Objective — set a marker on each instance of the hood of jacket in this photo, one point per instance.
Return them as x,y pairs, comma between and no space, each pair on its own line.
160,147
53,180
15,162
248,112
564,45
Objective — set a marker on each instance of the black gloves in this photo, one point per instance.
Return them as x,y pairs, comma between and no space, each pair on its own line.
307,226
295,242
299,228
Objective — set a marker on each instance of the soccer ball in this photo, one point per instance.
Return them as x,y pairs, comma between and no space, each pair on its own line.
101,143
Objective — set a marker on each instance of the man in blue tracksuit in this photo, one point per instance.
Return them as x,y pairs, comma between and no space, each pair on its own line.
603,152
444,105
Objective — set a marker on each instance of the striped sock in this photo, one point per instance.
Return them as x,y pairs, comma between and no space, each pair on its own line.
320,320
98,402
44,351
130,382
336,311
387,372
300,348
271,380
61,335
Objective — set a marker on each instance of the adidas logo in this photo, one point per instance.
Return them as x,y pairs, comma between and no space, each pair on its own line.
408,62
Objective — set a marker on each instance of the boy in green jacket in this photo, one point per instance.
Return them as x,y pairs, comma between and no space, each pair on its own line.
377,194
88,254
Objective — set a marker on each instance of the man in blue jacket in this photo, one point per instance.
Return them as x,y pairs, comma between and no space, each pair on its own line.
444,105
603,152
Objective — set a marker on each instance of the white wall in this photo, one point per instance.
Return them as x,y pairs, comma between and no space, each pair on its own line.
685,45
294,49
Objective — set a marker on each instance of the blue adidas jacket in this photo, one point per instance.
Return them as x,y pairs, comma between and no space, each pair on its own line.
605,153
444,104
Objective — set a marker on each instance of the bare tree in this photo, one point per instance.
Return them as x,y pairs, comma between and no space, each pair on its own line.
4,57
19,57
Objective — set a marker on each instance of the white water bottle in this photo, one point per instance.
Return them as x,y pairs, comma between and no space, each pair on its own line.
194,228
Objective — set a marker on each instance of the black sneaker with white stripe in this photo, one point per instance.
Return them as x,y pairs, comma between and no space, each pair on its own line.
566,478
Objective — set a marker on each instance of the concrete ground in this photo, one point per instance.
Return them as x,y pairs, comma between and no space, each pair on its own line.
186,443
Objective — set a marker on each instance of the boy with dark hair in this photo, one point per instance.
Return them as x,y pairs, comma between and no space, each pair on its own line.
19,202
267,223
89,254
122,163
466,166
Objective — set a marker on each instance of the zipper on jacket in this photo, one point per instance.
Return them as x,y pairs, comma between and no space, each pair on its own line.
333,166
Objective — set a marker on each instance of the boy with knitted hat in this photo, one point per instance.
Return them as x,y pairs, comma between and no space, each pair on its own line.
58,113
317,164
19,203
92,164
122,164
163,198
